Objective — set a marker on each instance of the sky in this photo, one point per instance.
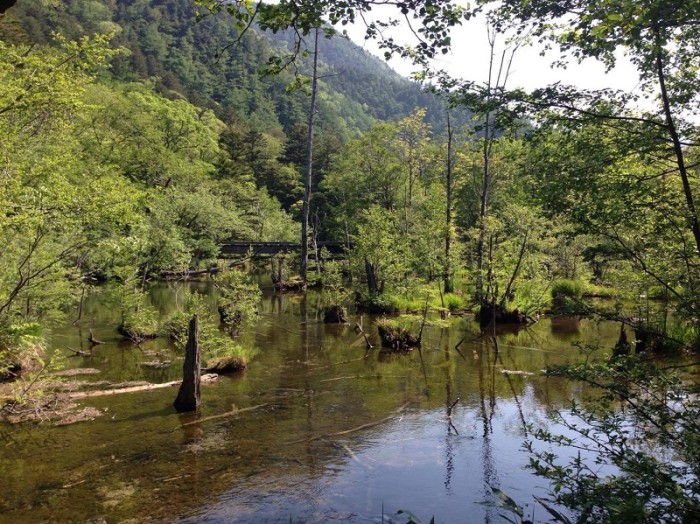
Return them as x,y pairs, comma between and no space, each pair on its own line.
470,55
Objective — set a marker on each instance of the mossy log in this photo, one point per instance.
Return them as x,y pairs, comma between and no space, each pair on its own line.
223,365
135,334
293,284
396,338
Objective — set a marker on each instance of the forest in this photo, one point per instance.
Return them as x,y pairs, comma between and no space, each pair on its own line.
139,136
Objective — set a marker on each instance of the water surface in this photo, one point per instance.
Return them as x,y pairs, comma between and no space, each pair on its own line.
338,433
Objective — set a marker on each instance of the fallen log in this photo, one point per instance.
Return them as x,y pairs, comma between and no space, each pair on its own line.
119,391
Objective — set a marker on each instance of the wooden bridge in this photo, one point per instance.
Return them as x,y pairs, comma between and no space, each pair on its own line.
242,248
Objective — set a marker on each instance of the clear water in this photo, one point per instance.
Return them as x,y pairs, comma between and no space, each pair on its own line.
342,434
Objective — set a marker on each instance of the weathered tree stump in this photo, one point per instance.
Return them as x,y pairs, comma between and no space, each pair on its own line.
498,314
335,315
188,395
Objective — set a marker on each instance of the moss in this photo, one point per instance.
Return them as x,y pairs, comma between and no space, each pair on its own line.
223,365
395,337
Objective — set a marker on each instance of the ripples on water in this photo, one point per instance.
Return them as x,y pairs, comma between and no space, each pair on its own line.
295,458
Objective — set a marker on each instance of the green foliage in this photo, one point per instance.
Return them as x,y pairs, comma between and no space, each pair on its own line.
238,300
214,342
564,288
22,347
453,302
503,502
334,292
139,319
631,451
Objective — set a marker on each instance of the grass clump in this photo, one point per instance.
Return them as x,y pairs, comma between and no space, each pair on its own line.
395,337
219,349
453,302
567,288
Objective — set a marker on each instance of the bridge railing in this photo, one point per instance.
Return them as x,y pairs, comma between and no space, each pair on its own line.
240,248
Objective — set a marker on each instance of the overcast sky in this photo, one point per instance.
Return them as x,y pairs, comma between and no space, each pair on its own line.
470,55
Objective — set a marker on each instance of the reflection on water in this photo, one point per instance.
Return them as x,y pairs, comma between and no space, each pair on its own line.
337,433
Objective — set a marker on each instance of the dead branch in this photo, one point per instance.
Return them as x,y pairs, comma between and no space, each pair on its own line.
231,413
355,429
93,340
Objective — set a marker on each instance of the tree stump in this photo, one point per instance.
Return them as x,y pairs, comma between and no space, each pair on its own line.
188,395
334,315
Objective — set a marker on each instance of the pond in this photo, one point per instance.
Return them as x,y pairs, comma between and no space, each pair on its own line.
326,429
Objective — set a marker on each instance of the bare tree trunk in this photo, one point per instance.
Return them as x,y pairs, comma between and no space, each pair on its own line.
448,214
188,395
309,166
496,82
677,145
372,286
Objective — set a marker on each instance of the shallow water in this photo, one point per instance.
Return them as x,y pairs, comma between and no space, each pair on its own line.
339,433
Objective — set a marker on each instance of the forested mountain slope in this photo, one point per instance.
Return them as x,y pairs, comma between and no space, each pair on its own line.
189,58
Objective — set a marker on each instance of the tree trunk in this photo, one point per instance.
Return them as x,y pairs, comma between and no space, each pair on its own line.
677,145
371,278
188,395
448,234
309,167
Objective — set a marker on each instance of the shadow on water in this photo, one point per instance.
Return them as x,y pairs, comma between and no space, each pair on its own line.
319,428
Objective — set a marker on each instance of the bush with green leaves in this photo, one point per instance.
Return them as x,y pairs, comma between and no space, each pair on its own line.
238,300
214,342
22,348
139,319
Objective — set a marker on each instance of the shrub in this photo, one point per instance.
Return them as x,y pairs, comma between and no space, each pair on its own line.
567,288
453,302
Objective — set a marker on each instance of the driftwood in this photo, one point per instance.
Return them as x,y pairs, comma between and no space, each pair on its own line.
134,335
119,391
231,413
358,328
188,395
78,353
294,284
93,340
355,429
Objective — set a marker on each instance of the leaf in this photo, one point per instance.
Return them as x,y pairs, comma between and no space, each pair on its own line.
553,512
508,503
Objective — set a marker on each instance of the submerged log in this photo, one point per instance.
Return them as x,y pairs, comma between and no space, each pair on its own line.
188,395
